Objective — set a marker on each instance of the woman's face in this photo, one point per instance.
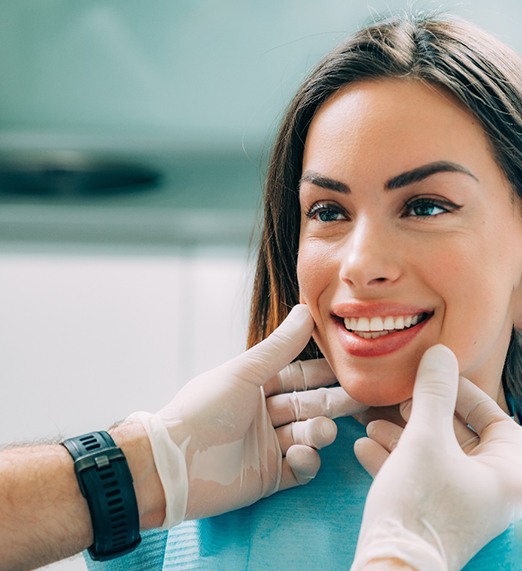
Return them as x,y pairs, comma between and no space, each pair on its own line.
409,237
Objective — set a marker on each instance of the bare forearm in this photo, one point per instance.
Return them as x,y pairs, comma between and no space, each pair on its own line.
43,515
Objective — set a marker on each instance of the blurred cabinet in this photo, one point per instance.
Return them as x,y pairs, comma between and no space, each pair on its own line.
88,338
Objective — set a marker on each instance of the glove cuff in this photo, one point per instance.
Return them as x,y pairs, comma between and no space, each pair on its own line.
393,541
170,464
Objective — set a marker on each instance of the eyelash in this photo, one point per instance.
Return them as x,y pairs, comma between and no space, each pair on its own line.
321,207
446,206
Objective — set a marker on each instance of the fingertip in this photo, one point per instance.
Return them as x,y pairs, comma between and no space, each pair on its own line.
359,445
304,462
361,449
440,358
327,431
300,313
438,373
316,432
405,409
370,454
370,428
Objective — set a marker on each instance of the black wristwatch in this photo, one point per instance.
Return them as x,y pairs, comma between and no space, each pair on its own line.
106,482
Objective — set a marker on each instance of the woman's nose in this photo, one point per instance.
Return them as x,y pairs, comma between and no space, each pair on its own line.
369,258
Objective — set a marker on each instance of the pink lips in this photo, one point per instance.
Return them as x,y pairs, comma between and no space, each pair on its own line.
393,341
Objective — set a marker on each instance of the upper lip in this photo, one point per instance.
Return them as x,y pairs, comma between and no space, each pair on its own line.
376,309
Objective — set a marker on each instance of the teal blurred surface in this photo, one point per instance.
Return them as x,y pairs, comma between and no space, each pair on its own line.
191,88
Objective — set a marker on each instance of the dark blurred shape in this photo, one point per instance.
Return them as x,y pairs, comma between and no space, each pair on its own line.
71,174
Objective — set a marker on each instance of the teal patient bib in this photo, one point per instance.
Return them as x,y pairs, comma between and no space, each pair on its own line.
310,528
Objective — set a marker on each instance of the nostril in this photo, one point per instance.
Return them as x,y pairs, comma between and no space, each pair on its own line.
361,271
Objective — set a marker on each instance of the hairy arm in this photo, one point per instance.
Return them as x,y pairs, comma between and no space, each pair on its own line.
43,515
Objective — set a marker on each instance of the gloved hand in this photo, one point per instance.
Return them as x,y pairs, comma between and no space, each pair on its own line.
431,505
215,445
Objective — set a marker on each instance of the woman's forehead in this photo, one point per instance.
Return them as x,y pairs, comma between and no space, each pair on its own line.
396,124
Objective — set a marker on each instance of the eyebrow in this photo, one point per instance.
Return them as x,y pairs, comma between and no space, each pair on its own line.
324,182
424,171
404,179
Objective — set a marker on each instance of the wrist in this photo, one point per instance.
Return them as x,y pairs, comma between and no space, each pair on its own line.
389,544
132,438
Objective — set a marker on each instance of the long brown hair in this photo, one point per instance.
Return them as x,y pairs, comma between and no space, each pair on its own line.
480,71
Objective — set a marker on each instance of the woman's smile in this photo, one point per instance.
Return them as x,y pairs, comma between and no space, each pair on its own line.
367,334
376,329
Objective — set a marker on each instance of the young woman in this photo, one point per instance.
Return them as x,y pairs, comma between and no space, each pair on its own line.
394,191
393,210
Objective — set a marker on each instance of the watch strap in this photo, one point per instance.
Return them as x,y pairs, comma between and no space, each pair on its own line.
106,482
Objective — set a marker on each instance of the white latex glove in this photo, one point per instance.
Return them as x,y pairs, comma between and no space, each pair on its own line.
215,446
431,505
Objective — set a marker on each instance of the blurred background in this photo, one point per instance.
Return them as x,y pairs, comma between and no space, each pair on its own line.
133,138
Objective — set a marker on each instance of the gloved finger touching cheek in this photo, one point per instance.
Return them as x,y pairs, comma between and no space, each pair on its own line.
266,359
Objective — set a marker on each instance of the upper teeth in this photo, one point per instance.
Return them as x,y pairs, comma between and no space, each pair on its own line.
388,323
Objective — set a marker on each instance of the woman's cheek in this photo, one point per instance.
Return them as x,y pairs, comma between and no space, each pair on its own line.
313,273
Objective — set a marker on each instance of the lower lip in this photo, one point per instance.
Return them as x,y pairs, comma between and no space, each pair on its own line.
359,347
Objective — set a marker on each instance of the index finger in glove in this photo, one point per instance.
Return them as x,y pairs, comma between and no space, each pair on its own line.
330,402
268,357
476,408
301,376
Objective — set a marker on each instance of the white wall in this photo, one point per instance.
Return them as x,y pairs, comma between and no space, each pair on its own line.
87,338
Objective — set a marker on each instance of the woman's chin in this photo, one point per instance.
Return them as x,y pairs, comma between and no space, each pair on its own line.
383,393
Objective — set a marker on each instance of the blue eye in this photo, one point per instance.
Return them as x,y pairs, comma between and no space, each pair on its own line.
427,208
324,212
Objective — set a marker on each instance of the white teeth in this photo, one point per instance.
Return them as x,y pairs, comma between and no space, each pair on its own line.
370,328
376,324
371,334
363,324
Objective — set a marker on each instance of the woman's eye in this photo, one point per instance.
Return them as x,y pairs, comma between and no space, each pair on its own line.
326,213
426,208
